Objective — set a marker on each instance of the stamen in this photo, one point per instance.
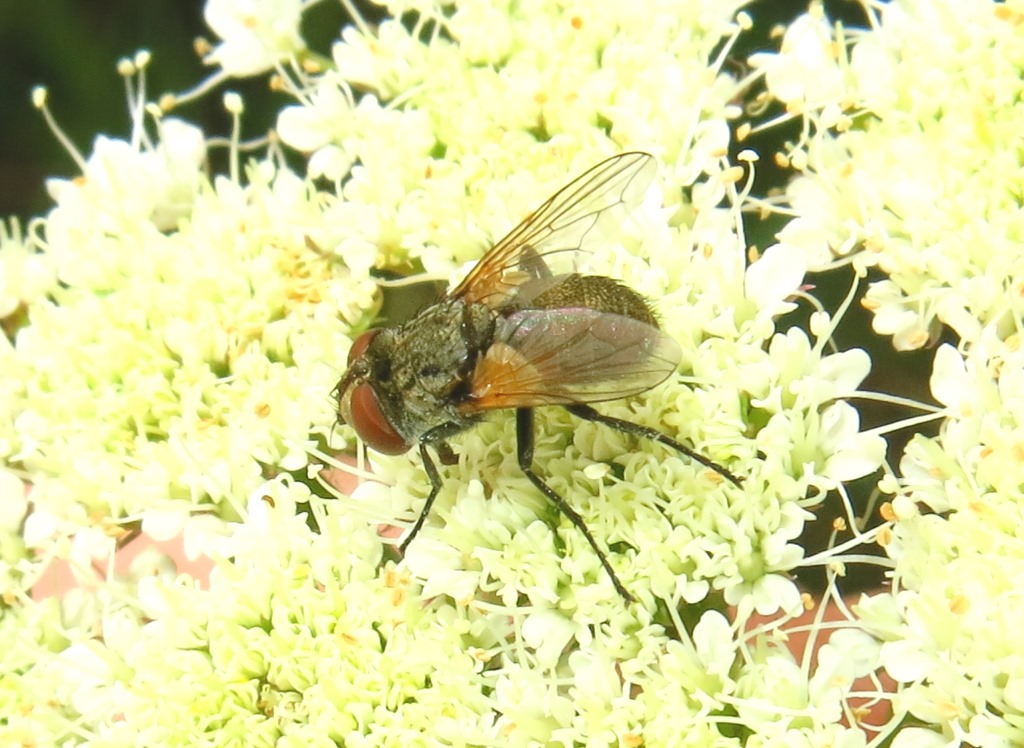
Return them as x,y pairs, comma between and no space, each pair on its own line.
39,96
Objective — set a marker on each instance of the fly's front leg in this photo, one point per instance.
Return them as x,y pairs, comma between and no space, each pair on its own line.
435,489
524,448
635,429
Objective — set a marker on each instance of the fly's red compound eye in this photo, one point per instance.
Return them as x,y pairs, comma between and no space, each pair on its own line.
369,421
359,406
360,345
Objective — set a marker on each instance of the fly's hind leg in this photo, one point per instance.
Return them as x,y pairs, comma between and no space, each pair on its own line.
635,429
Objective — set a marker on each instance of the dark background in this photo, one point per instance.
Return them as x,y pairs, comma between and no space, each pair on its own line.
72,47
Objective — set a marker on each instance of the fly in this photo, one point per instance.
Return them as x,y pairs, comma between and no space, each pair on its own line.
515,335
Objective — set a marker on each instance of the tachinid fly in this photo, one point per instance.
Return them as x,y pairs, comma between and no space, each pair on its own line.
513,334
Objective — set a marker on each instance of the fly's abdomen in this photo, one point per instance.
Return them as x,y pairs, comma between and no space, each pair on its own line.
596,292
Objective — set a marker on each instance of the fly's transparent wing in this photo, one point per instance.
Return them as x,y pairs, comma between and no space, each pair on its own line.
583,212
565,356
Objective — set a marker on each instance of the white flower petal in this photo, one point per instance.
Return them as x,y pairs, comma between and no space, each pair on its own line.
949,381
776,275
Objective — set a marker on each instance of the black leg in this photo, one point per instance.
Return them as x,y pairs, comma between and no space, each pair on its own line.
445,453
635,429
435,488
524,444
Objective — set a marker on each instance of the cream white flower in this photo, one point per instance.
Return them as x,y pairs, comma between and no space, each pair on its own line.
255,34
15,501
958,573
923,186
909,164
804,73
26,275
281,669
162,373
206,319
32,634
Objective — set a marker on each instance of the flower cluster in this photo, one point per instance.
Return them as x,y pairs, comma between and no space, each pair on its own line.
911,162
185,342
183,333
910,159
948,625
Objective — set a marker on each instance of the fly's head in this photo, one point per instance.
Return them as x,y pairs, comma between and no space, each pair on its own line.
360,405
406,381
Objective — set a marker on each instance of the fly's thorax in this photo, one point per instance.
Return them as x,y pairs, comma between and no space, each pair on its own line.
595,292
420,370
